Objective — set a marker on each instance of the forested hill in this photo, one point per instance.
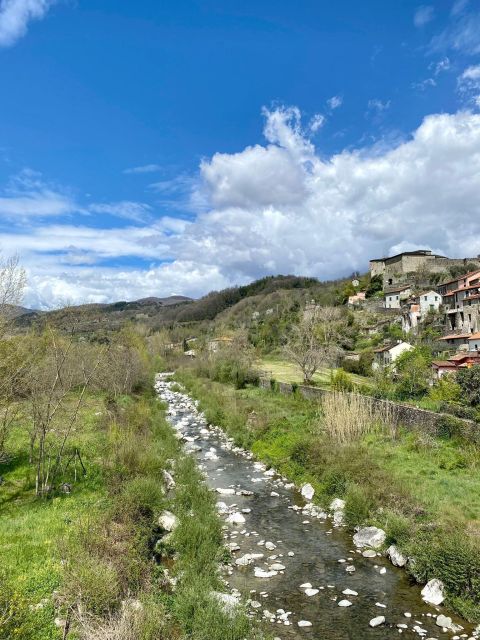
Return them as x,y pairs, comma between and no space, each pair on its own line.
159,312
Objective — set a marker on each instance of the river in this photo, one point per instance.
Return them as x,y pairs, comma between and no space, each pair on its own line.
260,508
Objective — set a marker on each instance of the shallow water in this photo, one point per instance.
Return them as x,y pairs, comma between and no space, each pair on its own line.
317,545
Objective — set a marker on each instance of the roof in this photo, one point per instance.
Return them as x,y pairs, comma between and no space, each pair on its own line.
444,363
388,347
475,336
463,356
403,288
424,293
454,336
466,275
418,252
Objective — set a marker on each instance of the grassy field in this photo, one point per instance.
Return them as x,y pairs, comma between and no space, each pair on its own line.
285,371
32,531
423,491
77,556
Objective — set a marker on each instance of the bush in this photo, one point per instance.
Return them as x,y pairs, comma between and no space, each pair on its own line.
341,381
449,427
398,528
92,583
469,381
357,506
140,499
335,482
454,559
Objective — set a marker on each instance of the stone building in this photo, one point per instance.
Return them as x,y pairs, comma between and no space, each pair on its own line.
398,269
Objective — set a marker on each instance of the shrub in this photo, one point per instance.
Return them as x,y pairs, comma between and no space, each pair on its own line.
398,528
92,583
341,381
469,381
357,506
454,559
140,499
449,427
335,482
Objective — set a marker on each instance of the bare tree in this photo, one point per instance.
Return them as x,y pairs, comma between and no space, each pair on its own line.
313,342
58,381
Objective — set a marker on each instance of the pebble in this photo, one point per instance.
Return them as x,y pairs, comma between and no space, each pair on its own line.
376,622
304,623
311,592
349,592
344,603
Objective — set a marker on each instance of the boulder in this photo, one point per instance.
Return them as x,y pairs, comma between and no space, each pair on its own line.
433,592
337,505
369,537
236,518
167,521
228,602
396,557
168,480
308,491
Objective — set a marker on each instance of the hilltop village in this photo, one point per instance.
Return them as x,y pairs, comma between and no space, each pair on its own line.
427,297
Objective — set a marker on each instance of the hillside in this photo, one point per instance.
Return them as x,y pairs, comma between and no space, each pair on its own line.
273,295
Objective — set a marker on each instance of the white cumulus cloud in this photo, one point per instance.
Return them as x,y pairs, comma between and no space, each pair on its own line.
15,16
280,207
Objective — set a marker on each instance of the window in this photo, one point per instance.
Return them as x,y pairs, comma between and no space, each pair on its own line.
424,297
397,297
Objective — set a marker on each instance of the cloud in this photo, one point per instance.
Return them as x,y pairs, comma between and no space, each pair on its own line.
136,211
424,84
146,168
459,6
334,102
28,196
278,207
317,122
461,35
423,15
15,16
468,84
441,65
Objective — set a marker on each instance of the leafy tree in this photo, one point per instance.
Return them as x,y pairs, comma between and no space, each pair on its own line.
446,389
413,372
469,381
375,286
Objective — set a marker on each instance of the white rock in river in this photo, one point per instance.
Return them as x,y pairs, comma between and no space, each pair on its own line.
337,505
369,537
244,560
270,546
344,603
227,601
311,592
446,623
261,573
167,521
369,553
396,557
349,592
308,491
304,623
376,622
433,592
306,585
225,492
236,518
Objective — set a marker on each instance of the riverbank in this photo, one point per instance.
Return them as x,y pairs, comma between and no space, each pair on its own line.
422,491
116,554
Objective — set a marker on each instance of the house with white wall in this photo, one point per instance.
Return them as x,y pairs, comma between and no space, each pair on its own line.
385,356
393,299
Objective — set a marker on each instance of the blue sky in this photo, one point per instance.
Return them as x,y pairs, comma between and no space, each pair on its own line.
151,148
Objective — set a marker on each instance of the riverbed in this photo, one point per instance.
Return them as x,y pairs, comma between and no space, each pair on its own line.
297,571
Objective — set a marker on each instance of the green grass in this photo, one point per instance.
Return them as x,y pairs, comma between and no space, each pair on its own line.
31,531
285,371
423,491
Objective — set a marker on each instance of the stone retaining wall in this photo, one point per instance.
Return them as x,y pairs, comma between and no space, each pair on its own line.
407,416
